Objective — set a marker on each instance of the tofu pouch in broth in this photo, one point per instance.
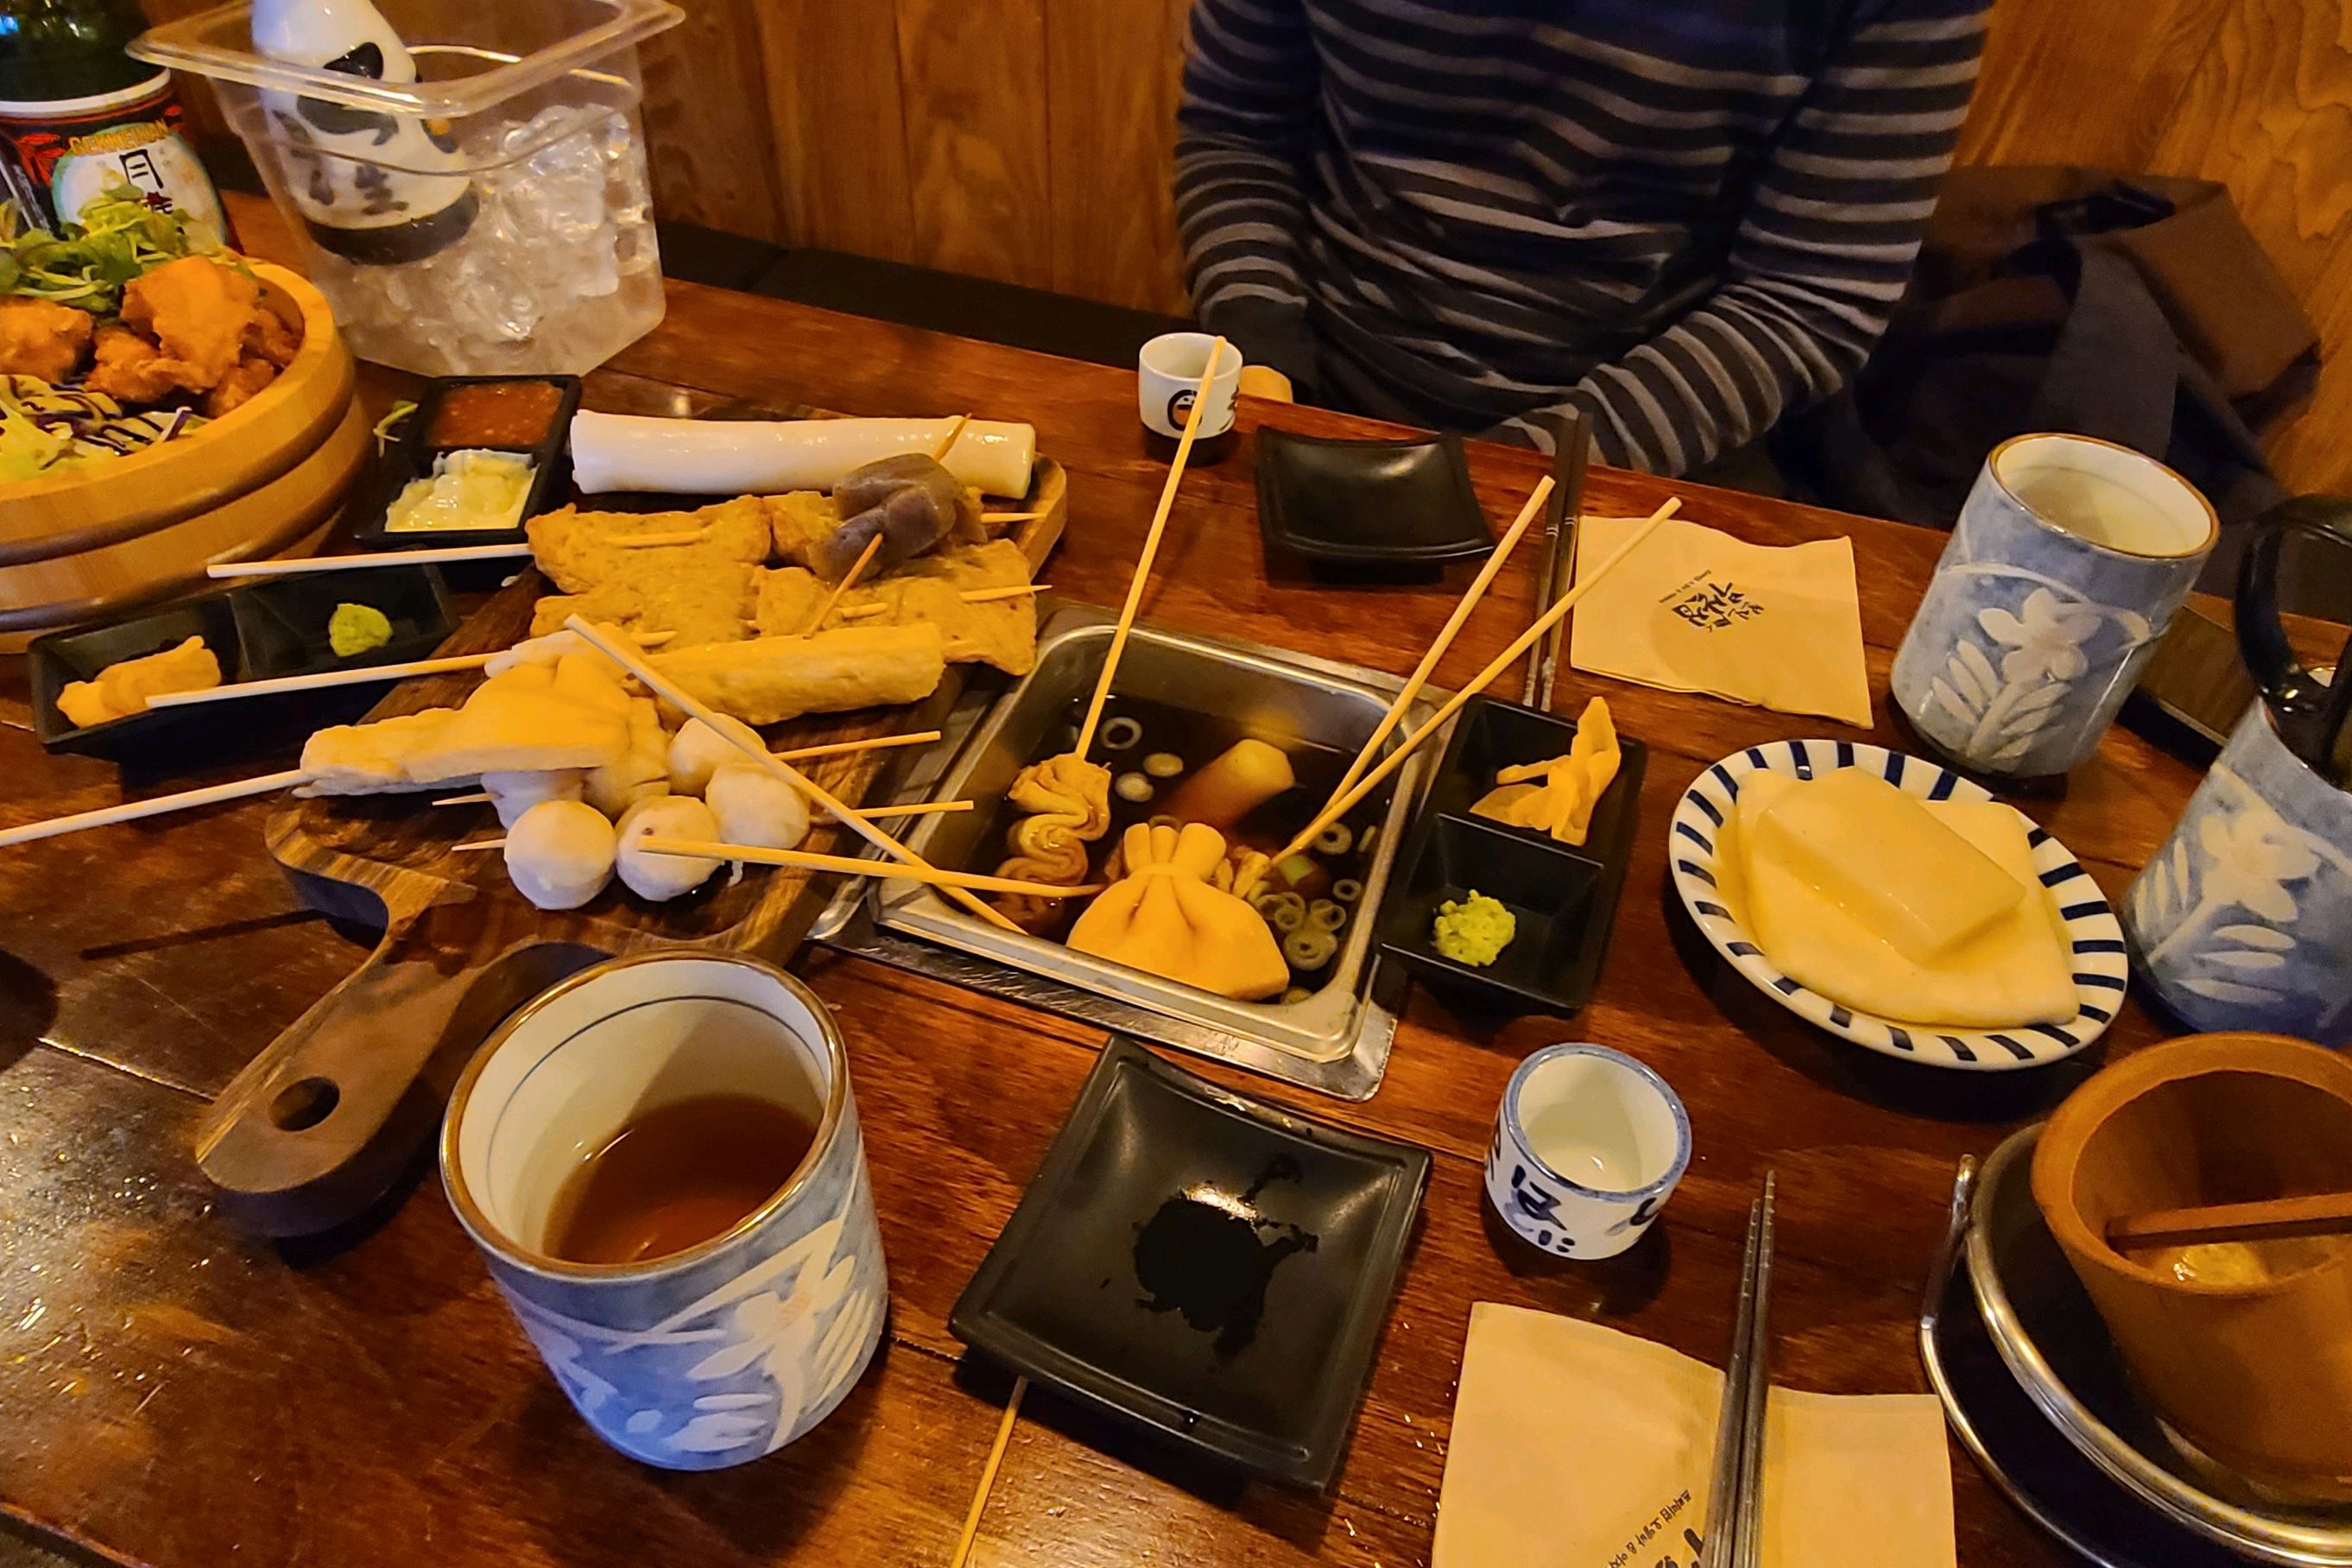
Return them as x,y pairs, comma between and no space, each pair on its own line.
1164,918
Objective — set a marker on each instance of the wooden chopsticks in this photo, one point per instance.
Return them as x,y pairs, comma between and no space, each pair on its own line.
2271,1219
1734,1493
377,558
358,675
133,810
851,865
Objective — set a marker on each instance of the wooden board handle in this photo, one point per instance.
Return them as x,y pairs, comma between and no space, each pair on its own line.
325,1122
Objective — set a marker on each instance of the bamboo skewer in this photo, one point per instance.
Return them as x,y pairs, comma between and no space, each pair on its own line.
799,753
974,596
2269,1219
1445,635
687,702
851,865
1347,801
320,679
988,1475
1150,549
657,540
376,557
871,814
133,810
848,580
1012,517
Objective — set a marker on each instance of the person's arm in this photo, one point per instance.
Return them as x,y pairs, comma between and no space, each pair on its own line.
1244,135
1820,259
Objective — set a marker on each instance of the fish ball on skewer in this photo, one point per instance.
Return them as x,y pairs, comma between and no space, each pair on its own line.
513,791
660,876
697,751
560,853
755,808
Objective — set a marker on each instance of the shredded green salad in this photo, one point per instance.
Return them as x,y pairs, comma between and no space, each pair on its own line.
117,237
45,429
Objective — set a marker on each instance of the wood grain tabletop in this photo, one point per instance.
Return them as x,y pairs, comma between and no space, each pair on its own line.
176,1394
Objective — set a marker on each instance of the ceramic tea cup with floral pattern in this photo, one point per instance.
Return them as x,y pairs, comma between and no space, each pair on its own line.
2064,570
725,1351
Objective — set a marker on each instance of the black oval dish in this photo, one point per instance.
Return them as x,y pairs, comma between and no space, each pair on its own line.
1203,1264
1383,509
1564,896
259,630
411,456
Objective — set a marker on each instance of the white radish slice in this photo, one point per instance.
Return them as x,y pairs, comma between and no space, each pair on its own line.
754,456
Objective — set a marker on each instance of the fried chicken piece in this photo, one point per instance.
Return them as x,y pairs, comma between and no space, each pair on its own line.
239,384
41,338
580,549
271,337
128,369
196,310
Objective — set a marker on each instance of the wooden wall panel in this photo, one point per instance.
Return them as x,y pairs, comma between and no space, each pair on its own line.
837,123
1113,73
707,125
973,81
2268,112
2084,81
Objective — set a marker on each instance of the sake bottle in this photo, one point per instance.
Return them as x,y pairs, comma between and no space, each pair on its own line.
79,118
374,186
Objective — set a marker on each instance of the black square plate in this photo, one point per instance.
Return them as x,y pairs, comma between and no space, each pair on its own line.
1565,897
1206,1265
411,456
1368,505
258,631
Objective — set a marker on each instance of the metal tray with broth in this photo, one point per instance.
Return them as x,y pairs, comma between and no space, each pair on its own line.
1212,692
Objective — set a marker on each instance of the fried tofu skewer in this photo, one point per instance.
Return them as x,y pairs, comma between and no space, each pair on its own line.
629,658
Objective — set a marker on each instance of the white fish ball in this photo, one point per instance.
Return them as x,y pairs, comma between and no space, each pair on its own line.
660,876
754,807
514,792
560,853
697,751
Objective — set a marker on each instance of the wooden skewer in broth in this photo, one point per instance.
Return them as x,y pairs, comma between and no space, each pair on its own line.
1066,799
1348,800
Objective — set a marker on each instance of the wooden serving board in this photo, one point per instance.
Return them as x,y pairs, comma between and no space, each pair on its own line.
325,1120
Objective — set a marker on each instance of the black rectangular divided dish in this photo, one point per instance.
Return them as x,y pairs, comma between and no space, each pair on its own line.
1564,897
411,458
1377,508
1203,1264
258,631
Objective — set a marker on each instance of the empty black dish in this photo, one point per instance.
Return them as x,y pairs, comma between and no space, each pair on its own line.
1564,897
411,456
258,631
1203,1264
1368,505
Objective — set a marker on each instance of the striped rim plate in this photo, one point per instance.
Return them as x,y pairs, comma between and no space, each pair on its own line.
2100,962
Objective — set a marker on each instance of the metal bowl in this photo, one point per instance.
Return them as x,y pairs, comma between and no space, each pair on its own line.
1336,1040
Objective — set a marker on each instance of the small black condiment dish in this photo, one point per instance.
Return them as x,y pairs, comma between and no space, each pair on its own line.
259,630
412,454
1385,510
1203,1264
1564,896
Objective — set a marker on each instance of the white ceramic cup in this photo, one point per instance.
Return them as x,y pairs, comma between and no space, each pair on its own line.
1587,1147
1166,372
725,1351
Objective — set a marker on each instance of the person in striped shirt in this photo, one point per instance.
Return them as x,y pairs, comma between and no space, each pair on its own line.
1684,218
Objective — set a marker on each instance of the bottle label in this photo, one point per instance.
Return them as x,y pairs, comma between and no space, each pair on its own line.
56,162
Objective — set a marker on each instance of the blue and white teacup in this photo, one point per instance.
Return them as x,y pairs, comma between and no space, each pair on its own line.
2243,919
2067,562
726,1350
1587,1147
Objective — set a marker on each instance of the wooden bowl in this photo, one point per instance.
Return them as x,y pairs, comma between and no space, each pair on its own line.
289,515
2257,1375
112,535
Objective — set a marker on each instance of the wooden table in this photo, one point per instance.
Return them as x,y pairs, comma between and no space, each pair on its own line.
174,1392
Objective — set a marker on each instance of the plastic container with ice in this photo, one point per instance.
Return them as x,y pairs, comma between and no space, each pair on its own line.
491,215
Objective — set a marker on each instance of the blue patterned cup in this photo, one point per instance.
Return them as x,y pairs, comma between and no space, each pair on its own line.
726,1350
1587,1147
2064,568
2243,919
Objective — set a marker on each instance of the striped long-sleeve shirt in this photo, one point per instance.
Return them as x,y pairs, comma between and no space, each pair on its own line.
1682,216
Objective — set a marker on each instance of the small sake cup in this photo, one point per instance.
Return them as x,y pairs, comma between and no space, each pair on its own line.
1168,371
1587,1147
